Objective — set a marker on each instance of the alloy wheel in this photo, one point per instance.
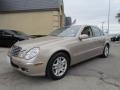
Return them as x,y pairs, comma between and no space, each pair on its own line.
59,66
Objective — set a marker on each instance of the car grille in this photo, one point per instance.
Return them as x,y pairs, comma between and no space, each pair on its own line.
15,50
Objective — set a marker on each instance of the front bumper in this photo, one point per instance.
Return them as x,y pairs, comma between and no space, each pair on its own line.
29,69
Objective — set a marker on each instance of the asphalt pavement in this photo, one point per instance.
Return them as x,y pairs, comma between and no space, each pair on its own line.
95,74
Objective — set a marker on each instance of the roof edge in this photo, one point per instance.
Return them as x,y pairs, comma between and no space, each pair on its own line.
31,10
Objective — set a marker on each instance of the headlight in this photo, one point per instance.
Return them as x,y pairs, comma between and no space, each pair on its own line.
22,54
32,53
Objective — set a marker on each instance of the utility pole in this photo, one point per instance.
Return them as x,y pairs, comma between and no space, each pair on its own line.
103,26
109,7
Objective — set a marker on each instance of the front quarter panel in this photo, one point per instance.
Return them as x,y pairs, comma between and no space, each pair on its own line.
48,52
68,45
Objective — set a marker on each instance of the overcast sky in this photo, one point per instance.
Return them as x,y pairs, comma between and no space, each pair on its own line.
93,12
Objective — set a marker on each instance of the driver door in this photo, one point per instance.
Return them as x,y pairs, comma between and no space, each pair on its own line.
83,48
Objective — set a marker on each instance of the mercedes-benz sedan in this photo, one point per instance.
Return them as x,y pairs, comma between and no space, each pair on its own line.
54,54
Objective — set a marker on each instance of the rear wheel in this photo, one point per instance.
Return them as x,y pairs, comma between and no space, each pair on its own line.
57,66
106,51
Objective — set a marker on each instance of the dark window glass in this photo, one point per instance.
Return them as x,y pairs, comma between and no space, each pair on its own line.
6,33
88,31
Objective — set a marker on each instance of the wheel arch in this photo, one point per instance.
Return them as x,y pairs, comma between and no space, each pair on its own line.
63,51
108,44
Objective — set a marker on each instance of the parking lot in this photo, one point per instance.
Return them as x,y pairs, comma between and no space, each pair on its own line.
95,74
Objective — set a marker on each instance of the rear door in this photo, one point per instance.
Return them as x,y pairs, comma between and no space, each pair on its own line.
99,40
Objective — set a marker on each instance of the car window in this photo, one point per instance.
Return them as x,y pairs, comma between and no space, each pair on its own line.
66,31
18,32
96,31
88,31
6,33
101,32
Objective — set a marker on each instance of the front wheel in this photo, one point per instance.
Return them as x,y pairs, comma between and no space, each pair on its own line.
106,51
57,66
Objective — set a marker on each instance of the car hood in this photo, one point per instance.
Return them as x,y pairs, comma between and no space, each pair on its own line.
39,41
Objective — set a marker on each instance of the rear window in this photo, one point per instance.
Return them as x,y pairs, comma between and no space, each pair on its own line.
97,32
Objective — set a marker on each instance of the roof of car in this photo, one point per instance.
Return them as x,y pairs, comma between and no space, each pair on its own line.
6,30
27,5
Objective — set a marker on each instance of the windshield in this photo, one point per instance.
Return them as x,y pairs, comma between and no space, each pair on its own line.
66,31
19,33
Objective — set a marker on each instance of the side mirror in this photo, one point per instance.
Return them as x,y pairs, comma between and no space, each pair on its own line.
83,36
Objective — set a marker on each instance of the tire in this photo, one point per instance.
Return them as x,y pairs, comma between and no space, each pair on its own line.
106,51
58,66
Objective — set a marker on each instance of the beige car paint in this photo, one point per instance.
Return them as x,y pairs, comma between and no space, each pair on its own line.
79,50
